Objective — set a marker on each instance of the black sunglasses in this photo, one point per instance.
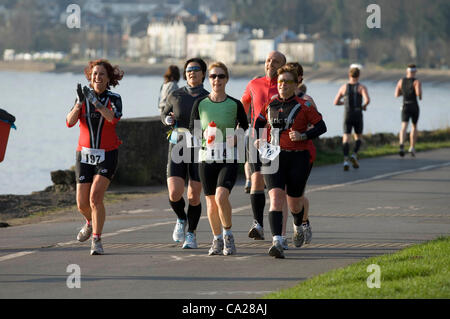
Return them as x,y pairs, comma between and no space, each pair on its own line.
220,76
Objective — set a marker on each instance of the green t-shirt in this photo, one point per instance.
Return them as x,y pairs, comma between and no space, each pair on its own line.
226,114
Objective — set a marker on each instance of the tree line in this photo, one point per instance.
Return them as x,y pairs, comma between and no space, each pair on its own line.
411,30
420,27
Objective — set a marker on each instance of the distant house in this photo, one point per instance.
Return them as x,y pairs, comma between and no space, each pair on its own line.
233,49
135,39
203,42
259,49
138,46
167,39
310,51
261,43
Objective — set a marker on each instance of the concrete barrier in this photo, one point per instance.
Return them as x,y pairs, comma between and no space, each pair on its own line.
143,153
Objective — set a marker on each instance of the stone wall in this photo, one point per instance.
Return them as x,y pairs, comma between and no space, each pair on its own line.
143,154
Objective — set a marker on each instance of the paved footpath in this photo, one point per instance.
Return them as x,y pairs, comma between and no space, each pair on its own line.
388,204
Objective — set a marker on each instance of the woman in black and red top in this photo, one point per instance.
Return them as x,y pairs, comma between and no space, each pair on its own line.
287,137
98,110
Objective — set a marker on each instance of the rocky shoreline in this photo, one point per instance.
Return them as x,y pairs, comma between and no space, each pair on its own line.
61,194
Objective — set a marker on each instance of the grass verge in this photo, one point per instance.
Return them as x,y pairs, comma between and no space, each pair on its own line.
336,157
420,271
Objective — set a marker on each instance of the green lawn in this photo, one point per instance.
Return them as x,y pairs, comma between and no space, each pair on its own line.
420,271
335,157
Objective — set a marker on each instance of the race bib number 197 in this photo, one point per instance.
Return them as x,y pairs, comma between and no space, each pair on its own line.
92,156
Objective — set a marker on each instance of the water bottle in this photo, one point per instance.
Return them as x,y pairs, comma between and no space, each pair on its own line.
211,134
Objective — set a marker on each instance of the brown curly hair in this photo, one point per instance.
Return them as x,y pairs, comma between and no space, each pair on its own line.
115,74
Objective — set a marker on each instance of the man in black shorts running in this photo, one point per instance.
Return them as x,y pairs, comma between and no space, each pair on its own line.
410,88
353,93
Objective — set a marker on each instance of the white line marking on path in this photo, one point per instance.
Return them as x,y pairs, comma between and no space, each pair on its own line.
377,177
239,209
16,255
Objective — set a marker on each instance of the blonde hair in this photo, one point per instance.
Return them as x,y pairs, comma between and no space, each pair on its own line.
220,65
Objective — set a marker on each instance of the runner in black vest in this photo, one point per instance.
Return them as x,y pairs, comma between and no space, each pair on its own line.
410,88
177,113
353,93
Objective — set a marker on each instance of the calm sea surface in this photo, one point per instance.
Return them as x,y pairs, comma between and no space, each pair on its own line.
42,142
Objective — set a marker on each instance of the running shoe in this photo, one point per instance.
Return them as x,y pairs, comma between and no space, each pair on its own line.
216,247
401,152
96,246
412,151
230,248
298,238
307,232
256,231
346,166
84,233
276,250
190,241
284,243
179,231
248,186
354,160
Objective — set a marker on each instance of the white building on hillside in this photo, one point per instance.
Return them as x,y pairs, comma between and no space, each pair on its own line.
233,49
167,39
203,43
313,51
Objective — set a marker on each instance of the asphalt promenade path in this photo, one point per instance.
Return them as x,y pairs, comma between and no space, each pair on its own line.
389,203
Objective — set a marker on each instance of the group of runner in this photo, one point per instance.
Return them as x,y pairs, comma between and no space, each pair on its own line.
206,131
356,99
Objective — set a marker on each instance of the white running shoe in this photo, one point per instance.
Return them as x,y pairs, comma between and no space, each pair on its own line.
412,151
298,238
256,231
277,249
230,248
354,160
179,231
216,247
307,232
346,166
190,242
96,246
85,233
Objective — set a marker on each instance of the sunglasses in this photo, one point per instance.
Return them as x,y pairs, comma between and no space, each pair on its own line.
193,69
220,76
286,81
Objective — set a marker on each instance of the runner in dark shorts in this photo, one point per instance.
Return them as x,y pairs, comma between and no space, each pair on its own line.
288,118
98,110
257,95
219,115
411,89
176,114
356,99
